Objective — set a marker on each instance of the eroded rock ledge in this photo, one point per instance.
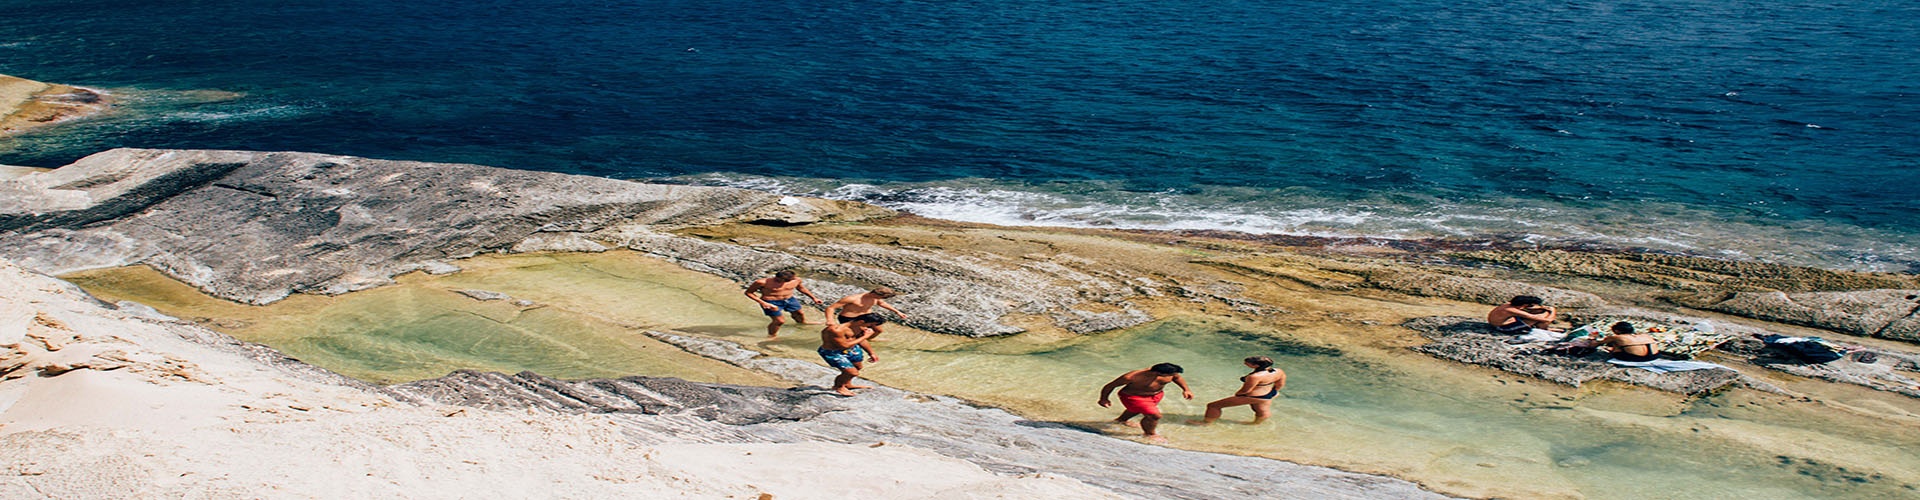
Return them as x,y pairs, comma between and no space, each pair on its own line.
254,227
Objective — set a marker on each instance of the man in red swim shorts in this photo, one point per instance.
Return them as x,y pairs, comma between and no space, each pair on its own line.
1140,394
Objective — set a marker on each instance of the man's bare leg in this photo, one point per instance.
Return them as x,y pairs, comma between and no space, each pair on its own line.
1126,419
773,327
857,367
1148,424
840,383
802,318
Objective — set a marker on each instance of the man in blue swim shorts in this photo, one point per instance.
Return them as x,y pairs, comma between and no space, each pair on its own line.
776,297
844,346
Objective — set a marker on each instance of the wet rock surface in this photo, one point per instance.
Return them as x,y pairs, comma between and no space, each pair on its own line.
27,104
727,404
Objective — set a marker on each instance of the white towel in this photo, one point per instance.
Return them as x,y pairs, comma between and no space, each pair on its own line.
1539,335
1667,365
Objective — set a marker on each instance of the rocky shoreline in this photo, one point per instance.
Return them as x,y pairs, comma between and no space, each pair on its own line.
162,208
255,227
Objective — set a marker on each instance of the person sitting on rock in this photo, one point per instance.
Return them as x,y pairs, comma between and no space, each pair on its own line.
1628,345
1140,395
776,294
858,304
844,346
1525,315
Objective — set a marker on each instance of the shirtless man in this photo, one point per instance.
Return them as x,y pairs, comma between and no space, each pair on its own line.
844,346
1524,315
855,305
775,295
1140,394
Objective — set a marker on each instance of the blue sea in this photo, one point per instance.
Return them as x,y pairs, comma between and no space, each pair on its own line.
1776,130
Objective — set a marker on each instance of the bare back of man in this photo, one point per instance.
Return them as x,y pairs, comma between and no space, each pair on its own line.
1522,315
1504,314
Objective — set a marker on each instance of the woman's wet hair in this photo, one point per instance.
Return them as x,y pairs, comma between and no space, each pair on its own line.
1623,328
1166,368
1526,300
1260,362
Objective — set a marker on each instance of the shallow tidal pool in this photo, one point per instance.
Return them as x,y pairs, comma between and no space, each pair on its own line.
1456,429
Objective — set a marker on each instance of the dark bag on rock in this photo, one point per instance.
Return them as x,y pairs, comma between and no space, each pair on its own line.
1807,349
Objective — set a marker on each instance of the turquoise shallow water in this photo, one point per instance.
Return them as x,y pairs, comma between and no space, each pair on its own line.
1774,129
1355,398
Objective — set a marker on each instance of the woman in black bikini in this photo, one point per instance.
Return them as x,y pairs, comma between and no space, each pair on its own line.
1257,390
1630,346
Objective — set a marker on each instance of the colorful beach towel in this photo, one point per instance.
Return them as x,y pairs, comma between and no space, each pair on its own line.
1675,338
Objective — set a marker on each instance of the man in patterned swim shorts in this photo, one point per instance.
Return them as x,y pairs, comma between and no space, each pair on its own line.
1140,394
844,346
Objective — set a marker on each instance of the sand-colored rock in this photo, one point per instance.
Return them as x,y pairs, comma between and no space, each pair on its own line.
1693,273
27,104
1335,274
1892,314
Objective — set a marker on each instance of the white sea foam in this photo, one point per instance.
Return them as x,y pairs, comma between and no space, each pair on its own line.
259,113
1677,228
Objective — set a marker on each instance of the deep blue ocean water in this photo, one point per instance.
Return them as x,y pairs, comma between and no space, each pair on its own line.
1769,129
